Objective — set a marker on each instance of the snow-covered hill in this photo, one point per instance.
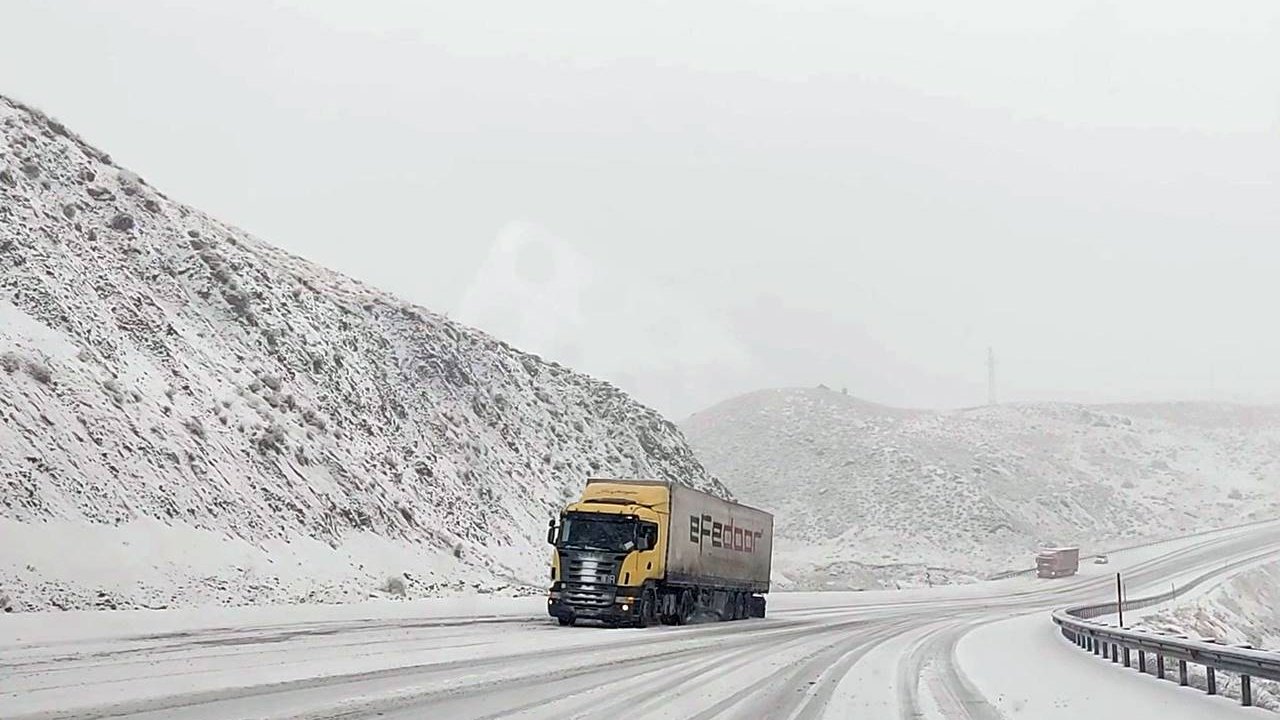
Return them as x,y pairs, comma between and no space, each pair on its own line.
1244,609
869,496
190,415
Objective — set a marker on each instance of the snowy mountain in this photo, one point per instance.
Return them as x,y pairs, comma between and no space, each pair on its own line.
190,415
869,496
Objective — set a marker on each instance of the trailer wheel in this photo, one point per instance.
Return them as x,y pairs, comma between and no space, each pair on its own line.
739,606
668,602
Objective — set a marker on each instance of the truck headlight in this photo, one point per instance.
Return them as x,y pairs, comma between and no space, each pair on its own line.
625,607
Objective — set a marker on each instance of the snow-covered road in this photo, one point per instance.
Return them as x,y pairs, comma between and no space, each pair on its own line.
957,652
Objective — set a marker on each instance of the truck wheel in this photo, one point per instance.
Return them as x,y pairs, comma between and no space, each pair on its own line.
564,620
739,606
685,612
645,612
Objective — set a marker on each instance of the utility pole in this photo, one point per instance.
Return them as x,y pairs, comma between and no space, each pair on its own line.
1120,599
991,376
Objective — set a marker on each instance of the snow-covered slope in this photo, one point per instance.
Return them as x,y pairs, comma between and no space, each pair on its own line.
867,495
1244,609
190,415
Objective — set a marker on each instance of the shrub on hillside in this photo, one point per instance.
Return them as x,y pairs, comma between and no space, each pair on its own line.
194,426
271,439
395,586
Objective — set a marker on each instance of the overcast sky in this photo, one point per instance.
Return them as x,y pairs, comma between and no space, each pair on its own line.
743,194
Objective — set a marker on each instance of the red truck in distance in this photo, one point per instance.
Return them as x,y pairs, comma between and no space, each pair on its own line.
1057,562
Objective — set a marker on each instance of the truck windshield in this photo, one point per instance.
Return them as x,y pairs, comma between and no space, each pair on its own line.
596,533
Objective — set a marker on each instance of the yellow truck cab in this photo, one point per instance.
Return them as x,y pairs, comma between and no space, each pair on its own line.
634,552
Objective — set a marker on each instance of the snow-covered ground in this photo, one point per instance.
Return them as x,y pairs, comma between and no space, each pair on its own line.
1242,607
191,416
1032,673
869,496
881,654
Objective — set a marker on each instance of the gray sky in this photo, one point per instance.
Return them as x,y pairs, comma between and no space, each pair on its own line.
865,194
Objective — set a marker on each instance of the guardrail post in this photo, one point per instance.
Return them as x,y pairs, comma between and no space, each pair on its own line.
1097,647
1115,653
1211,679
1182,673
1246,691
1160,666
1106,650
1127,660
1142,661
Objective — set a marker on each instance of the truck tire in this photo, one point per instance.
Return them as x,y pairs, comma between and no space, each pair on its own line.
645,613
684,614
565,620
739,606
756,605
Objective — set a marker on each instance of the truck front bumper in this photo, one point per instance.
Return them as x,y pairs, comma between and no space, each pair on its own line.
622,611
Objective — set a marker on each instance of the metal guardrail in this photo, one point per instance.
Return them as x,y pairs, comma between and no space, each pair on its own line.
1118,644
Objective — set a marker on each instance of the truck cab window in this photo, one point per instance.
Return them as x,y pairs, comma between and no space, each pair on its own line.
649,532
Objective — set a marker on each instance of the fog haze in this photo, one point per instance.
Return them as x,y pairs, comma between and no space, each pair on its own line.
735,195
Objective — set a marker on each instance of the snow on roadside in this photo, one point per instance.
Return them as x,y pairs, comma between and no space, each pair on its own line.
1030,672
149,564
1243,609
84,626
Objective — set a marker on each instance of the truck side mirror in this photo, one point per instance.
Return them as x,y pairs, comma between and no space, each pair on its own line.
551,531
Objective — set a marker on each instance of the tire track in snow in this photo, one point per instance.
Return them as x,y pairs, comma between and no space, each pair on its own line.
781,696
556,688
813,705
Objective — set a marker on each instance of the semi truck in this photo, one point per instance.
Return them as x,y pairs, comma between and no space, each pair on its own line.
1057,562
639,552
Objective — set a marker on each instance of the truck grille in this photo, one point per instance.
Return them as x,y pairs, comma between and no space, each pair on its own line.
590,579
